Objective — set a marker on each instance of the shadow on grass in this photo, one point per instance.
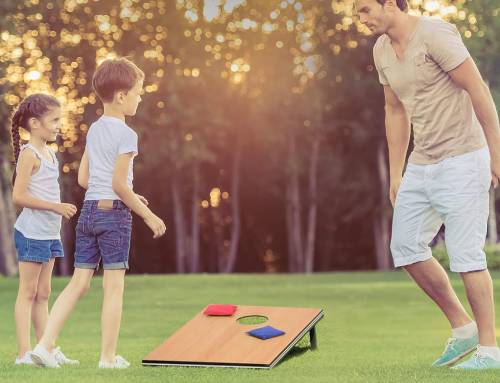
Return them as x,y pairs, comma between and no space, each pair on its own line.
302,346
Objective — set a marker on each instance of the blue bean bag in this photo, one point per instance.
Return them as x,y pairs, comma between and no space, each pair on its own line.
266,332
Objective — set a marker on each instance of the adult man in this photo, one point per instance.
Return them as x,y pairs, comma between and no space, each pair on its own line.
431,82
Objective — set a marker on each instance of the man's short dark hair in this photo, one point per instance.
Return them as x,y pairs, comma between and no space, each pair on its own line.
402,4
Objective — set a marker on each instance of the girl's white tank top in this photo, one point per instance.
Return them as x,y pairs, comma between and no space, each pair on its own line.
44,185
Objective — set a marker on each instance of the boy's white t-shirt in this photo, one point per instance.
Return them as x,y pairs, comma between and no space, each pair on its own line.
107,138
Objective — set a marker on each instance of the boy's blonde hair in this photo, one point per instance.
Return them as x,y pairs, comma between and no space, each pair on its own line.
114,75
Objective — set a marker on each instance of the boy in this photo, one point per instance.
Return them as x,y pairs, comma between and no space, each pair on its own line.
105,223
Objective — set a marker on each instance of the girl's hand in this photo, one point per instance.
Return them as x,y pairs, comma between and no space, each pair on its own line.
67,210
143,200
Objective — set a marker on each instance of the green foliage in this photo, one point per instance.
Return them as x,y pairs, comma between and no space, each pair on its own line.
480,27
492,256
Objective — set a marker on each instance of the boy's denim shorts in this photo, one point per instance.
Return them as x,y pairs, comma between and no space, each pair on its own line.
103,234
37,250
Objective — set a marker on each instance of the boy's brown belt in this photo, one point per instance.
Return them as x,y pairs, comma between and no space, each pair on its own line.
105,204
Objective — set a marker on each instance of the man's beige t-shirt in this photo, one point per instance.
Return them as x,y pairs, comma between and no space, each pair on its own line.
443,119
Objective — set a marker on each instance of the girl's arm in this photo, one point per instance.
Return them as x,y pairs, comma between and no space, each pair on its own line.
83,171
20,195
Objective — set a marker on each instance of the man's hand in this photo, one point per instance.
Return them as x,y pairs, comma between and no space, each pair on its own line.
395,183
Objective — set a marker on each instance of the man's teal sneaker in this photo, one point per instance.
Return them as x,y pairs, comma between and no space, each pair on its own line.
478,361
456,349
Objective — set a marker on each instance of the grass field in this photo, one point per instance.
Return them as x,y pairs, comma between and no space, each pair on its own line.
378,327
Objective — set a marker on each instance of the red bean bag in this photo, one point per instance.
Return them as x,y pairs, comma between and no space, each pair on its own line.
220,310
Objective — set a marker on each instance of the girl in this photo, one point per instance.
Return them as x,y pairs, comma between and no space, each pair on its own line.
37,229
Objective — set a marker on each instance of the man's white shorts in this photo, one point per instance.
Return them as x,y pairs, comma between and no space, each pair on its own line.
455,192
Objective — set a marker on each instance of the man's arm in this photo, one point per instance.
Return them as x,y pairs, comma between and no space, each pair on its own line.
467,77
398,130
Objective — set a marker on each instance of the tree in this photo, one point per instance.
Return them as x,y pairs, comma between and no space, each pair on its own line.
8,265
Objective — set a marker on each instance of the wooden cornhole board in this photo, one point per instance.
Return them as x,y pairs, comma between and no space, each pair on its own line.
211,341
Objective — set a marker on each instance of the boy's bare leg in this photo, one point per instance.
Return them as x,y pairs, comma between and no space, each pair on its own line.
64,305
113,284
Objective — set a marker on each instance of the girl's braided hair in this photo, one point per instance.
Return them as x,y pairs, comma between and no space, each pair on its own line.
34,105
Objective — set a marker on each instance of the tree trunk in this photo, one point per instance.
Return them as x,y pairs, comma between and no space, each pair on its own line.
313,206
235,212
64,265
381,225
219,238
195,222
289,230
492,218
180,226
295,230
8,263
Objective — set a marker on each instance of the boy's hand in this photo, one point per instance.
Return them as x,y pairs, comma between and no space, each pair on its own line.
67,210
143,199
156,224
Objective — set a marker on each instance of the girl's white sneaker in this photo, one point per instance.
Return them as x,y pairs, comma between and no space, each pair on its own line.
25,360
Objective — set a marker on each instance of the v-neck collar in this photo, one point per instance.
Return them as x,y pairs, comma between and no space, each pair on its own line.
410,40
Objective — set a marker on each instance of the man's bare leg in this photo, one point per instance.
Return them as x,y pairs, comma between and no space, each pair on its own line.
479,289
433,280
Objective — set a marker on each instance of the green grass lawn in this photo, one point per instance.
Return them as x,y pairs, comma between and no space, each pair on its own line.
378,327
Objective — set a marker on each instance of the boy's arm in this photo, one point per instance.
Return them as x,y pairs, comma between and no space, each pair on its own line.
398,129
132,200
467,77
22,198
83,171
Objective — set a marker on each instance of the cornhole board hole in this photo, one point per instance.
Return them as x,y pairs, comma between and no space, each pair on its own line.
221,341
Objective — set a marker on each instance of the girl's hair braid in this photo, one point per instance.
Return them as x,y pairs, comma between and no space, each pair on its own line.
34,105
